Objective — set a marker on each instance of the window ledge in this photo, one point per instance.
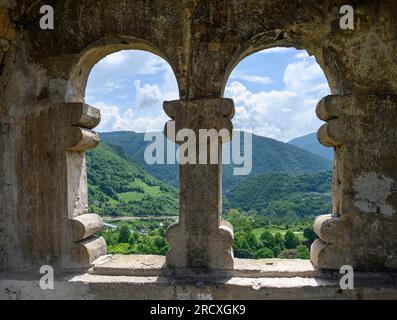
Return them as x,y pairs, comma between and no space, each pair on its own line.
152,265
140,277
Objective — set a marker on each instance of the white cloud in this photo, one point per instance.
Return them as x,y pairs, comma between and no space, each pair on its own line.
111,88
148,96
277,50
131,62
153,64
302,55
113,119
281,114
114,58
255,79
302,76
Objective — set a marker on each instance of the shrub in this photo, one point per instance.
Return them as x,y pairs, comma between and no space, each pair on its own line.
303,252
264,253
291,240
288,254
124,234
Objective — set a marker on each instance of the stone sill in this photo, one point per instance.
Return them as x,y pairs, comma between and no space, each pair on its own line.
154,266
138,277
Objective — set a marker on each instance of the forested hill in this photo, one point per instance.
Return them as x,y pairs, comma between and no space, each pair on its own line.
269,155
120,186
280,194
311,144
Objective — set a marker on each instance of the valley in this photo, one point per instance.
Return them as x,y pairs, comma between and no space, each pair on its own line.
272,210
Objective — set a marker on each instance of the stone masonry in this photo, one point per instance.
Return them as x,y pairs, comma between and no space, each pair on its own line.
45,125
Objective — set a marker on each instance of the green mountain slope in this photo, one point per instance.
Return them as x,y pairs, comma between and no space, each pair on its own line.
268,156
281,194
311,144
119,186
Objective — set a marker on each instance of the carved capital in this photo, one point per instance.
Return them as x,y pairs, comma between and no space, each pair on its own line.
200,114
358,120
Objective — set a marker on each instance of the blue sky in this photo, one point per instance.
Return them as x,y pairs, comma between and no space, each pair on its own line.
275,92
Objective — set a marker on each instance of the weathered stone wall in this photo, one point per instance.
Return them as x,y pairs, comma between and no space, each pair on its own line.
43,71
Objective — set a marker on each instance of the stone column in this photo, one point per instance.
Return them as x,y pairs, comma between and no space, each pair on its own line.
361,231
52,223
201,239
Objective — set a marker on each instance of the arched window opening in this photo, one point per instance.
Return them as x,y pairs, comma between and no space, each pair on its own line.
272,210
137,200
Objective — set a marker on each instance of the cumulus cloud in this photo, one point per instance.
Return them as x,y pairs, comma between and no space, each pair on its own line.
302,76
142,81
129,88
148,96
113,119
255,79
115,58
302,55
286,113
131,62
277,50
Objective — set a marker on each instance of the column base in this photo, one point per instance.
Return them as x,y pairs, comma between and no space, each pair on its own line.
218,254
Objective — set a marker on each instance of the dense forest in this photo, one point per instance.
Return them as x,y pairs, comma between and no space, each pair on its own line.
256,237
276,194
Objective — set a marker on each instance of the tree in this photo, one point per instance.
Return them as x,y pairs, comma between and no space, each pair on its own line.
159,242
124,234
279,240
252,240
241,247
303,252
264,253
310,235
134,238
276,251
291,240
267,239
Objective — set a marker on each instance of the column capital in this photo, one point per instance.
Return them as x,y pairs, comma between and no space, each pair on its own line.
201,114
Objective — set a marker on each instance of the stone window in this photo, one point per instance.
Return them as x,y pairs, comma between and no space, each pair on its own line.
275,92
129,88
46,127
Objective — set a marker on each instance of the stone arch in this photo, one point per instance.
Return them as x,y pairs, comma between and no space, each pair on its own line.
84,224
352,106
332,72
80,71
295,109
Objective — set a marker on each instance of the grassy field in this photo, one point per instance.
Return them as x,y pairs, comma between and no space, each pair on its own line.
138,196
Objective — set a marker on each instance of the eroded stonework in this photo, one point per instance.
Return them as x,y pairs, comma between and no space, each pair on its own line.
45,125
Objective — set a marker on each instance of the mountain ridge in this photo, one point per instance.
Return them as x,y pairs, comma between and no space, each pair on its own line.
269,155
310,143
